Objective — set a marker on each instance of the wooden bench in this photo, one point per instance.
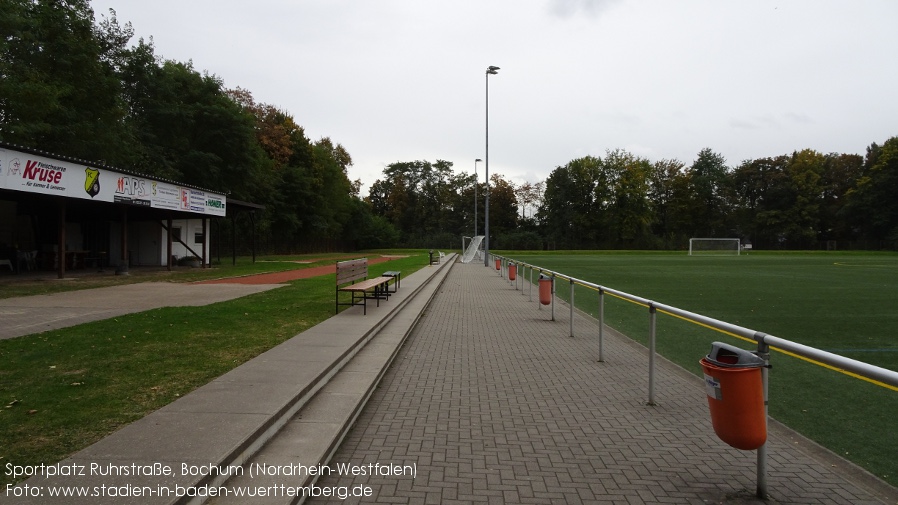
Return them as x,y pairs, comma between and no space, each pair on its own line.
352,276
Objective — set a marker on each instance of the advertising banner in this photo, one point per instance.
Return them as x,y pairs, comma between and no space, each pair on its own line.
37,174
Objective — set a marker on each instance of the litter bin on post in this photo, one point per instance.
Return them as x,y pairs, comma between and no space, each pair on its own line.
545,289
512,271
735,390
498,264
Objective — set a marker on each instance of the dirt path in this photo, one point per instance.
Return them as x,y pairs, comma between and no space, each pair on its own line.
289,275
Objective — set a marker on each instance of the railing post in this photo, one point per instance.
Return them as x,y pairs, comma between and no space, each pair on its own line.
601,321
652,318
763,353
539,304
530,289
572,308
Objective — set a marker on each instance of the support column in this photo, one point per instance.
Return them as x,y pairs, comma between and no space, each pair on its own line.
60,268
169,245
234,238
122,268
252,217
206,241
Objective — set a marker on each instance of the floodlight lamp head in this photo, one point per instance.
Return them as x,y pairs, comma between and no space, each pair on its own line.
478,159
492,70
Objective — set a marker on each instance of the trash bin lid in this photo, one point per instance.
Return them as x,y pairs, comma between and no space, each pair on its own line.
730,356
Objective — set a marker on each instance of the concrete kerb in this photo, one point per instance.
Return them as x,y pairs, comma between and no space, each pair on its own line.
222,424
314,434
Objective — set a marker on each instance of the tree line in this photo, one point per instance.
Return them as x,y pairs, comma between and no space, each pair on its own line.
78,87
803,200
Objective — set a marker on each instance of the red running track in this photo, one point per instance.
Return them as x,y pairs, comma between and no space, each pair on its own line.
288,275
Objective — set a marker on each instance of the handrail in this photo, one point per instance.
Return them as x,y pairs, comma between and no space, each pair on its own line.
874,373
858,369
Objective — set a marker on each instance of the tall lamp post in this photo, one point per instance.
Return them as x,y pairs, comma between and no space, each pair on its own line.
490,70
475,195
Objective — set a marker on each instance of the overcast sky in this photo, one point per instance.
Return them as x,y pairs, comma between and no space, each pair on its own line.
404,80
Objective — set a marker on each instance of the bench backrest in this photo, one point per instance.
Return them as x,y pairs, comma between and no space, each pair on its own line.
352,270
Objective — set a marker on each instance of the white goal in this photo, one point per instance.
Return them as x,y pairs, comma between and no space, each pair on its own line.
714,247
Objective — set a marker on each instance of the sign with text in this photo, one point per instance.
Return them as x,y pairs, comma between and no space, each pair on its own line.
37,174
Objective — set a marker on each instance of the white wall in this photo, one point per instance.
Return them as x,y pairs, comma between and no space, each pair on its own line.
190,229
148,241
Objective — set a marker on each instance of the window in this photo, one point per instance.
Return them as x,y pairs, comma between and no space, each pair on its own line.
175,234
198,238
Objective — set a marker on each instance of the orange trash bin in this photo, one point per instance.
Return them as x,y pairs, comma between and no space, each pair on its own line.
545,289
498,264
512,271
735,390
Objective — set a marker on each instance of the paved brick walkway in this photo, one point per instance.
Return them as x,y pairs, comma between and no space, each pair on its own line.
493,403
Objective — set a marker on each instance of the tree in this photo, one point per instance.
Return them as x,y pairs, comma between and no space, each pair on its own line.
629,210
59,89
569,211
529,195
276,131
805,170
762,197
668,198
191,131
503,205
418,198
710,191
840,174
872,206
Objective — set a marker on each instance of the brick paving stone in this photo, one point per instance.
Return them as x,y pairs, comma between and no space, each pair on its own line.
497,404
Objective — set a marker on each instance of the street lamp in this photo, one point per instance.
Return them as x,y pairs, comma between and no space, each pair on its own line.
475,195
486,225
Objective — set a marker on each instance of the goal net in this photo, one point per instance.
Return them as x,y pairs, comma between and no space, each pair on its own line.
473,249
714,247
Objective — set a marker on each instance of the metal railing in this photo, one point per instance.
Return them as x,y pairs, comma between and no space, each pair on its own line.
765,342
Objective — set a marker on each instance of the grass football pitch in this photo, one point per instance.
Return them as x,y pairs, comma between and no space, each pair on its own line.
843,303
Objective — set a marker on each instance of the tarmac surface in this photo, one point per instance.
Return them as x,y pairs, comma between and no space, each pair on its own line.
486,400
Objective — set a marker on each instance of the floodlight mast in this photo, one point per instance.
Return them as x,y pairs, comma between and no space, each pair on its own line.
490,70
475,195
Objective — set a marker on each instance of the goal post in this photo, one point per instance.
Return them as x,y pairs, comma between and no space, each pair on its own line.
714,247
